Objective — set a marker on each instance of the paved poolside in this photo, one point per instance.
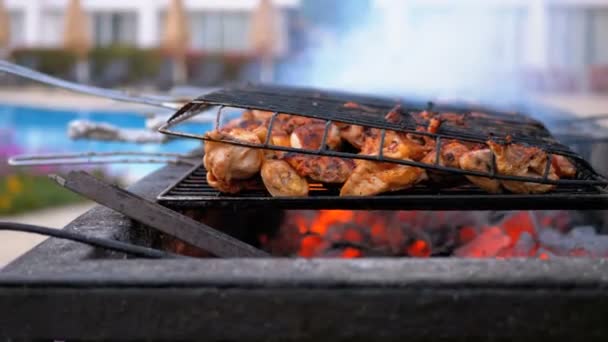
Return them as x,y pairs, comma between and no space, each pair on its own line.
13,244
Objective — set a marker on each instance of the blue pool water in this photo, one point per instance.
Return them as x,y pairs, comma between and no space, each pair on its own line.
41,130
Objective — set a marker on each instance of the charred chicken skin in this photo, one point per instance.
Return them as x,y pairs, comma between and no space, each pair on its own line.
449,156
352,134
320,168
310,137
372,178
523,161
480,161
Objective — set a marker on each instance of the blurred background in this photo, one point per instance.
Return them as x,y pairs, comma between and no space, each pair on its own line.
550,45
492,51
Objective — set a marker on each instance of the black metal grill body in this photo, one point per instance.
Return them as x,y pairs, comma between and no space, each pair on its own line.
64,290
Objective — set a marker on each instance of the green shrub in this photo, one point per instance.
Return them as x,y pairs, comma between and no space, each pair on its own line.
56,62
142,63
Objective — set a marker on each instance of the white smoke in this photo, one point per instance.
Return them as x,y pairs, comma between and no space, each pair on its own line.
471,52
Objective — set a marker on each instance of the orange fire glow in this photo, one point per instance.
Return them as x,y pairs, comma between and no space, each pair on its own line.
355,234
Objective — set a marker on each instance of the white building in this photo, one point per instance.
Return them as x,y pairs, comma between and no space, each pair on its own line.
556,31
540,34
216,25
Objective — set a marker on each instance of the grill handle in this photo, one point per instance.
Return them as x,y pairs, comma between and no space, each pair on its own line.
90,158
150,100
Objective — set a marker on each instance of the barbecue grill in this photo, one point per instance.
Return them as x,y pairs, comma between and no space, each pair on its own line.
94,293
586,191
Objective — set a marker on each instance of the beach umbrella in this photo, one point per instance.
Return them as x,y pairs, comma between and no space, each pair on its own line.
76,38
176,39
266,37
5,30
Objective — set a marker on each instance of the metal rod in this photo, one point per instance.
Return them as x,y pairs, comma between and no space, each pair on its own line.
382,139
218,118
494,172
156,216
108,244
34,75
469,137
325,133
547,167
270,128
438,152
102,158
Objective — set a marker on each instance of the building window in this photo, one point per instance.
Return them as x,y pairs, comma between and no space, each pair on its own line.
17,28
598,37
220,31
568,37
51,27
114,28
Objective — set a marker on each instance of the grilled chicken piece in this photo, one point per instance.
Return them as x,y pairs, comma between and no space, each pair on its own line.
258,127
353,134
234,186
449,156
523,161
282,180
321,168
228,163
481,161
398,145
563,167
373,178
288,123
257,115
311,137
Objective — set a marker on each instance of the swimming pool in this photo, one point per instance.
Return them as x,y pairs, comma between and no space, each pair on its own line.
42,130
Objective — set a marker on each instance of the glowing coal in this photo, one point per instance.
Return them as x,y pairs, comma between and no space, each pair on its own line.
355,234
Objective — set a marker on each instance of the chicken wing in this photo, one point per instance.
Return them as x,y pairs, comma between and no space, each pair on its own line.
282,180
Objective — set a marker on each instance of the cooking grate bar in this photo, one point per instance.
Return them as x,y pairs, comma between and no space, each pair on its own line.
193,191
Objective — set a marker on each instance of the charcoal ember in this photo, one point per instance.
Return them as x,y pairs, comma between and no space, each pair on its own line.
524,247
583,232
588,239
556,241
581,241
545,254
489,243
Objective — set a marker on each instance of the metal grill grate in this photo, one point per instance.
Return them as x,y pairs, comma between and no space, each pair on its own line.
193,191
479,125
